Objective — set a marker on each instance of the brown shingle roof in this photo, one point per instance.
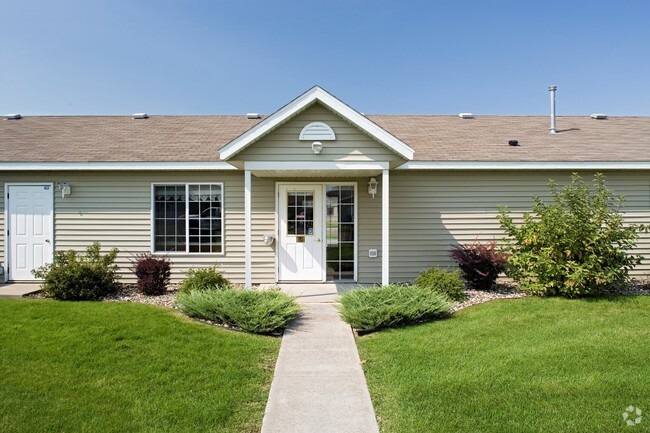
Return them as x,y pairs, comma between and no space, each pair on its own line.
118,138
434,138
485,138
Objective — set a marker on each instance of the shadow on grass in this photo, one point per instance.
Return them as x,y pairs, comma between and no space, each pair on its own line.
364,332
621,299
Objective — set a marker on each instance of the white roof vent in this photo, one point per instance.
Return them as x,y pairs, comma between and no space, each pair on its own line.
317,131
12,116
140,116
466,115
253,116
599,116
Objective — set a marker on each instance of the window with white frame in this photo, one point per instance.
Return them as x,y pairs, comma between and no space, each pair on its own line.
188,218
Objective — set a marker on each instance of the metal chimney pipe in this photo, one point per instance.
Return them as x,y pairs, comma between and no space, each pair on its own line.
553,128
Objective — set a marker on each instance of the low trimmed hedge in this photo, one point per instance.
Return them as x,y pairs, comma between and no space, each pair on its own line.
258,312
393,305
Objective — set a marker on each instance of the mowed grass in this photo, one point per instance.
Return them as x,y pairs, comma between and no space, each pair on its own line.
528,365
117,367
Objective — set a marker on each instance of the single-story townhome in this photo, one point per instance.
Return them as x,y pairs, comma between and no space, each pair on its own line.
314,192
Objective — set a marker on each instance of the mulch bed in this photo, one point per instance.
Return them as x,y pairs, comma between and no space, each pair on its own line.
474,297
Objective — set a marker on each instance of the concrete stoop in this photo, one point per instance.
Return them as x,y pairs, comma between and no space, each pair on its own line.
313,293
18,290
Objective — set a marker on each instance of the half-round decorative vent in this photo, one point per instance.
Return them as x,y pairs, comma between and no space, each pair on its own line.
317,131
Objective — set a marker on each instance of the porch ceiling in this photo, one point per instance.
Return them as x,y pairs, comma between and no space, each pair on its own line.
304,174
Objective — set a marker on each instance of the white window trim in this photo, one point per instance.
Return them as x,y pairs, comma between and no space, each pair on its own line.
187,220
7,246
323,185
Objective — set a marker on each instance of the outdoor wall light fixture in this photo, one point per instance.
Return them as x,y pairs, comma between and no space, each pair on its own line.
64,187
372,187
317,146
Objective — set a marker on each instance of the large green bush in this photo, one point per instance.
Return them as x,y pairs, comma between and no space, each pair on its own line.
392,305
204,279
576,245
259,312
76,276
448,283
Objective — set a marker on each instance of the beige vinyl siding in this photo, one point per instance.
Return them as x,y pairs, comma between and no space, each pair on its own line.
262,223
114,208
369,226
351,144
430,211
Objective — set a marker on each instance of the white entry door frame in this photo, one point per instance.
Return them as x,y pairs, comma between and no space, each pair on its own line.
300,232
29,228
303,258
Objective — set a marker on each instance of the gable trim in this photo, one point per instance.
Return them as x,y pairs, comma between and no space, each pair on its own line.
301,102
125,165
525,165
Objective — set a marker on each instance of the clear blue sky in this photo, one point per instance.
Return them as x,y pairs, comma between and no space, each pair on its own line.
231,57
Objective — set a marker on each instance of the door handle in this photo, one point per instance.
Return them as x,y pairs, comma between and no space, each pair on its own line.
317,239
47,240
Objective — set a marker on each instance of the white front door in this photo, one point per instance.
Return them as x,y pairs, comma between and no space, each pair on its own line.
300,242
29,229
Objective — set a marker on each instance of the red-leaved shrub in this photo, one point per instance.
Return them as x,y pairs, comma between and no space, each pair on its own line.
153,273
480,263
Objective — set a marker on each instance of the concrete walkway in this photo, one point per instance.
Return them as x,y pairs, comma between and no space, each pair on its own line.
17,290
319,386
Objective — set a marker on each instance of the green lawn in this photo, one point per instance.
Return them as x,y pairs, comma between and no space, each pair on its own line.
109,367
528,365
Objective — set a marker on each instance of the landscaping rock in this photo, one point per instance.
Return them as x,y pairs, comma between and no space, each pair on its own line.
475,297
130,294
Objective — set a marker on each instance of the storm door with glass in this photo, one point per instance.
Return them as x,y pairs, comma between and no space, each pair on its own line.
300,246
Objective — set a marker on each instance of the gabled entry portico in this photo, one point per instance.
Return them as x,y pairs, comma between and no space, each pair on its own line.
310,147
320,225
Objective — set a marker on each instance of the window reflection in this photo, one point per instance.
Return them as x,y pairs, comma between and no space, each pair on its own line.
340,228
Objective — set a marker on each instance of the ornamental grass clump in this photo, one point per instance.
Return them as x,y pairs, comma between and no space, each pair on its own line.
258,312
448,283
480,263
74,276
389,306
576,245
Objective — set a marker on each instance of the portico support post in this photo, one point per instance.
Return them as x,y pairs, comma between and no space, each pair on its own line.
384,228
248,262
